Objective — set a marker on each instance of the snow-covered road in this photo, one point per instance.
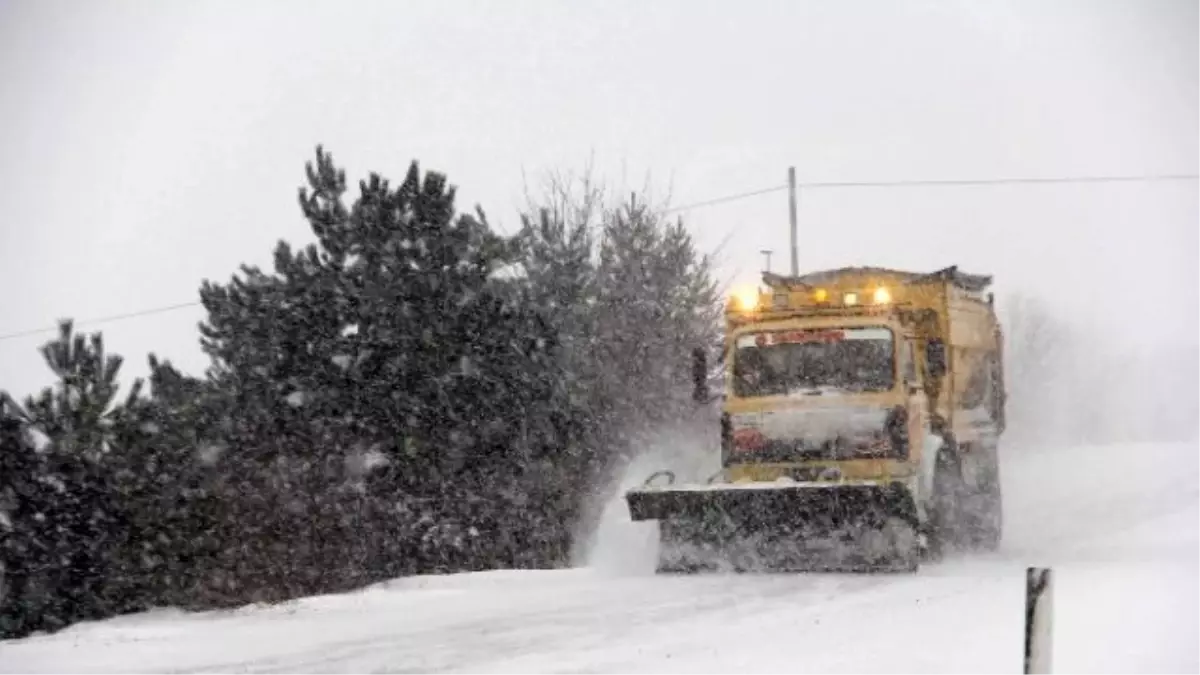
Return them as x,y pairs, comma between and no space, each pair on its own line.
1118,523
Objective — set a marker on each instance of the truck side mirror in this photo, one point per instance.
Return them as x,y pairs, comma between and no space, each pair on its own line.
700,375
935,357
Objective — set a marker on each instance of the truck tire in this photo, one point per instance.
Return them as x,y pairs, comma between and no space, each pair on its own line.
946,528
987,514
989,525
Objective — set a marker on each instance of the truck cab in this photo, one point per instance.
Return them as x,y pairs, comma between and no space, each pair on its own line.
830,396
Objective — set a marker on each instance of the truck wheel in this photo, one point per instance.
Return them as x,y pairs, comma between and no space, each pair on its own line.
988,515
945,529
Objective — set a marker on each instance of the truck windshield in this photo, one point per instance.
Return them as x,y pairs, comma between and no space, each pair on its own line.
813,362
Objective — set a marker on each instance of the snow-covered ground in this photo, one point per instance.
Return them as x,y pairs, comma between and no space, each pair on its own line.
1118,523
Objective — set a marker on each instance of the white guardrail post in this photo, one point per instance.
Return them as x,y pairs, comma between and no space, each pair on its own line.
1039,619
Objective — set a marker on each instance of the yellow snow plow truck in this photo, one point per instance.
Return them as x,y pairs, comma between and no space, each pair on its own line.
859,428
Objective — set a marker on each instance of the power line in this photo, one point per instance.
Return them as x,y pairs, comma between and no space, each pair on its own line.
171,308
951,182
102,319
735,197
1001,181
938,182
729,198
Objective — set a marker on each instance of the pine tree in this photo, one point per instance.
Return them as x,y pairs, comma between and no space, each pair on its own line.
410,393
656,304
629,312
114,513
164,467
23,500
388,333
557,275
71,513
79,413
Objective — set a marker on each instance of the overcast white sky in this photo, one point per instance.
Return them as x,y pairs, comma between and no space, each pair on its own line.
150,145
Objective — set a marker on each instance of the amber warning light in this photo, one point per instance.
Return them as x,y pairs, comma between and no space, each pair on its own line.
747,299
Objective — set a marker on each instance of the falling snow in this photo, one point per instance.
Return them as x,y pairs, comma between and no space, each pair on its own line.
411,434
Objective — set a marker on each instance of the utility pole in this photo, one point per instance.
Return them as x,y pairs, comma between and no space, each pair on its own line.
792,217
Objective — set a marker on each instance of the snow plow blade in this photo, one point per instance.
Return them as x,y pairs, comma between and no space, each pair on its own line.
849,525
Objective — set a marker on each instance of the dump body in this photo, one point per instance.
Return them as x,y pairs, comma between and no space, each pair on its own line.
845,390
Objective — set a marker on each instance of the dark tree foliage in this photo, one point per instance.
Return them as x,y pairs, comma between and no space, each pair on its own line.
24,544
629,299
64,512
410,393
